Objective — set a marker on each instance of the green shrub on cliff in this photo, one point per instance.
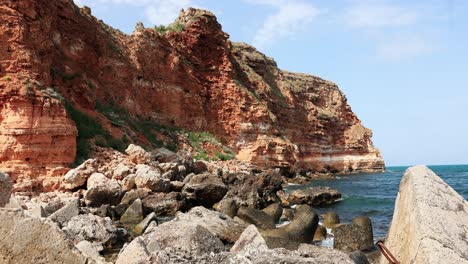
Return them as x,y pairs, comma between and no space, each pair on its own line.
174,27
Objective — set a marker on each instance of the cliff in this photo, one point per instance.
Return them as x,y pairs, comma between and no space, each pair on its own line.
69,81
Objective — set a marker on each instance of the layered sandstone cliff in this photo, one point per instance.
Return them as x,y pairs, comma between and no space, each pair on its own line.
155,86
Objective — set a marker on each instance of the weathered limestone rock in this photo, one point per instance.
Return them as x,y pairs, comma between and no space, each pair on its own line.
130,196
151,178
102,190
91,228
249,241
25,239
5,188
134,253
91,251
256,217
314,196
67,212
137,154
134,214
205,189
77,177
143,225
430,221
121,171
274,210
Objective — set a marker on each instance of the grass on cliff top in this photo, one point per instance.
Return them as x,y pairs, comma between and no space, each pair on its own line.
196,139
174,27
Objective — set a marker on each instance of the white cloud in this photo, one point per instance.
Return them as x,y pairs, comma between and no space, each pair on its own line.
403,47
290,17
373,14
157,11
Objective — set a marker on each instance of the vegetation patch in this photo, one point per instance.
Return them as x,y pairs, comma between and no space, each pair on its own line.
197,139
173,27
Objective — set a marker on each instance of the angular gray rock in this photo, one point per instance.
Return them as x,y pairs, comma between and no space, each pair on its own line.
130,196
274,210
143,225
151,178
91,228
134,253
164,204
67,212
350,237
250,240
102,190
5,188
91,251
134,214
256,217
433,218
77,177
25,239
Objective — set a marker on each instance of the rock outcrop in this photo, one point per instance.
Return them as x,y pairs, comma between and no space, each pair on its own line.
430,221
64,73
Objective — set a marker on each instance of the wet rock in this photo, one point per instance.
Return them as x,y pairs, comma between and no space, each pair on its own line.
274,210
67,212
91,228
320,233
151,178
330,219
5,188
256,217
26,239
137,154
166,204
314,196
430,221
300,230
77,177
134,214
205,189
141,227
350,237
102,190
130,196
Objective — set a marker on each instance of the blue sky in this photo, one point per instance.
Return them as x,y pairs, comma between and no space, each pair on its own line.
403,65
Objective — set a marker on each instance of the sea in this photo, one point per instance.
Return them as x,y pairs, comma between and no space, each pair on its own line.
374,194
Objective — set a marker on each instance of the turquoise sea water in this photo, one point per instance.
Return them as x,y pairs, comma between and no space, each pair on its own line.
374,194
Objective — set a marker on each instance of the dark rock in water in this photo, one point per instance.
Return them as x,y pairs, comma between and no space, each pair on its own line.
67,212
359,257
141,227
320,233
227,206
5,188
256,217
134,214
130,196
314,196
350,237
102,190
330,219
205,189
300,230
167,204
274,210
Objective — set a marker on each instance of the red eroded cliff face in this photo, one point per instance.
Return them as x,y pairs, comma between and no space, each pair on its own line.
66,77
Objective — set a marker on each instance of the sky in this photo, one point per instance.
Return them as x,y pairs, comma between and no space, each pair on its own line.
403,65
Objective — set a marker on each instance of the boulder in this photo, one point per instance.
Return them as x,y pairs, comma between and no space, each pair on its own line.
91,251
177,186
26,239
300,230
77,177
330,219
314,196
151,178
165,155
134,214
205,189
256,217
134,253
320,233
128,183
164,204
130,196
67,212
137,154
102,190
350,237
91,228
121,171
143,225
200,166
430,221
365,223
250,241
38,211
5,188
227,206
274,210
